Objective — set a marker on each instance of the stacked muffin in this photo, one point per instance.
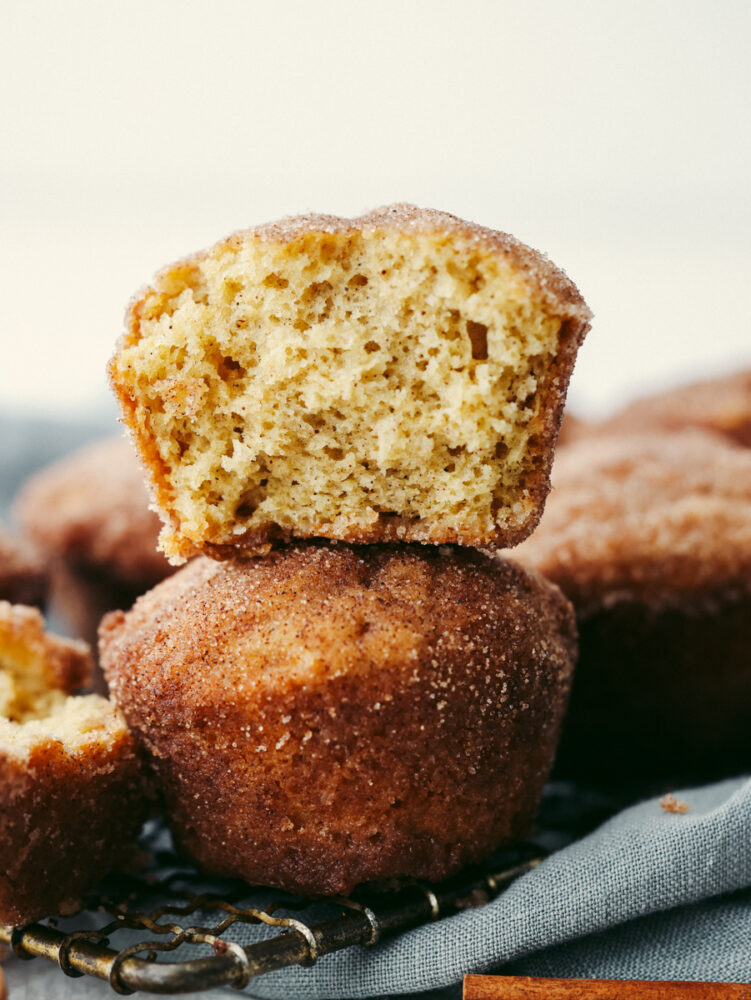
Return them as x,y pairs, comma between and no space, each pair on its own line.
324,700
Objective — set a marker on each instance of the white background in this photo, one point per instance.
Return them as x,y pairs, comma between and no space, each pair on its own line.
613,136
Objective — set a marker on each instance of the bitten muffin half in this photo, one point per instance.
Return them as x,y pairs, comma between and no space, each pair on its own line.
399,376
650,538
330,715
72,788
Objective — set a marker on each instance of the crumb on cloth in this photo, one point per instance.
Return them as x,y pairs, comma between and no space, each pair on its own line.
672,805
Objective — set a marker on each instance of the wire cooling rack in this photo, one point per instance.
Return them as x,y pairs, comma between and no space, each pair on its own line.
170,930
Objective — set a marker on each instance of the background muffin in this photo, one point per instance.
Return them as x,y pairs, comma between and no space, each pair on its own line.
90,513
23,572
650,538
722,405
572,427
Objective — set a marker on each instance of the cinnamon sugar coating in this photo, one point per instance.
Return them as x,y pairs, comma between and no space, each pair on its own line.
650,538
396,377
72,782
722,405
329,715
23,573
554,285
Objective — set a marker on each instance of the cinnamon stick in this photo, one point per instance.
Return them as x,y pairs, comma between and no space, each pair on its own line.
528,988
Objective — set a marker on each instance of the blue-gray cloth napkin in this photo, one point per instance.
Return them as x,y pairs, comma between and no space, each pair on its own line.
650,894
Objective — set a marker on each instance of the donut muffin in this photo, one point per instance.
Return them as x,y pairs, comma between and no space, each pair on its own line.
722,405
23,573
399,376
72,793
329,715
650,538
90,513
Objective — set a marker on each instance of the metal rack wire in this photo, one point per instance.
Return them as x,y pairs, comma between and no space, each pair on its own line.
170,911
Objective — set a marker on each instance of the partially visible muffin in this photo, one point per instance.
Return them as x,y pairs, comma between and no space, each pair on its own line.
92,508
572,428
722,405
399,376
328,715
23,572
650,538
72,785
90,513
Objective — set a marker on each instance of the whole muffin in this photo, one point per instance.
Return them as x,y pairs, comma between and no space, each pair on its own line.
722,405
90,513
23,573
650,538
395,377
329,715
